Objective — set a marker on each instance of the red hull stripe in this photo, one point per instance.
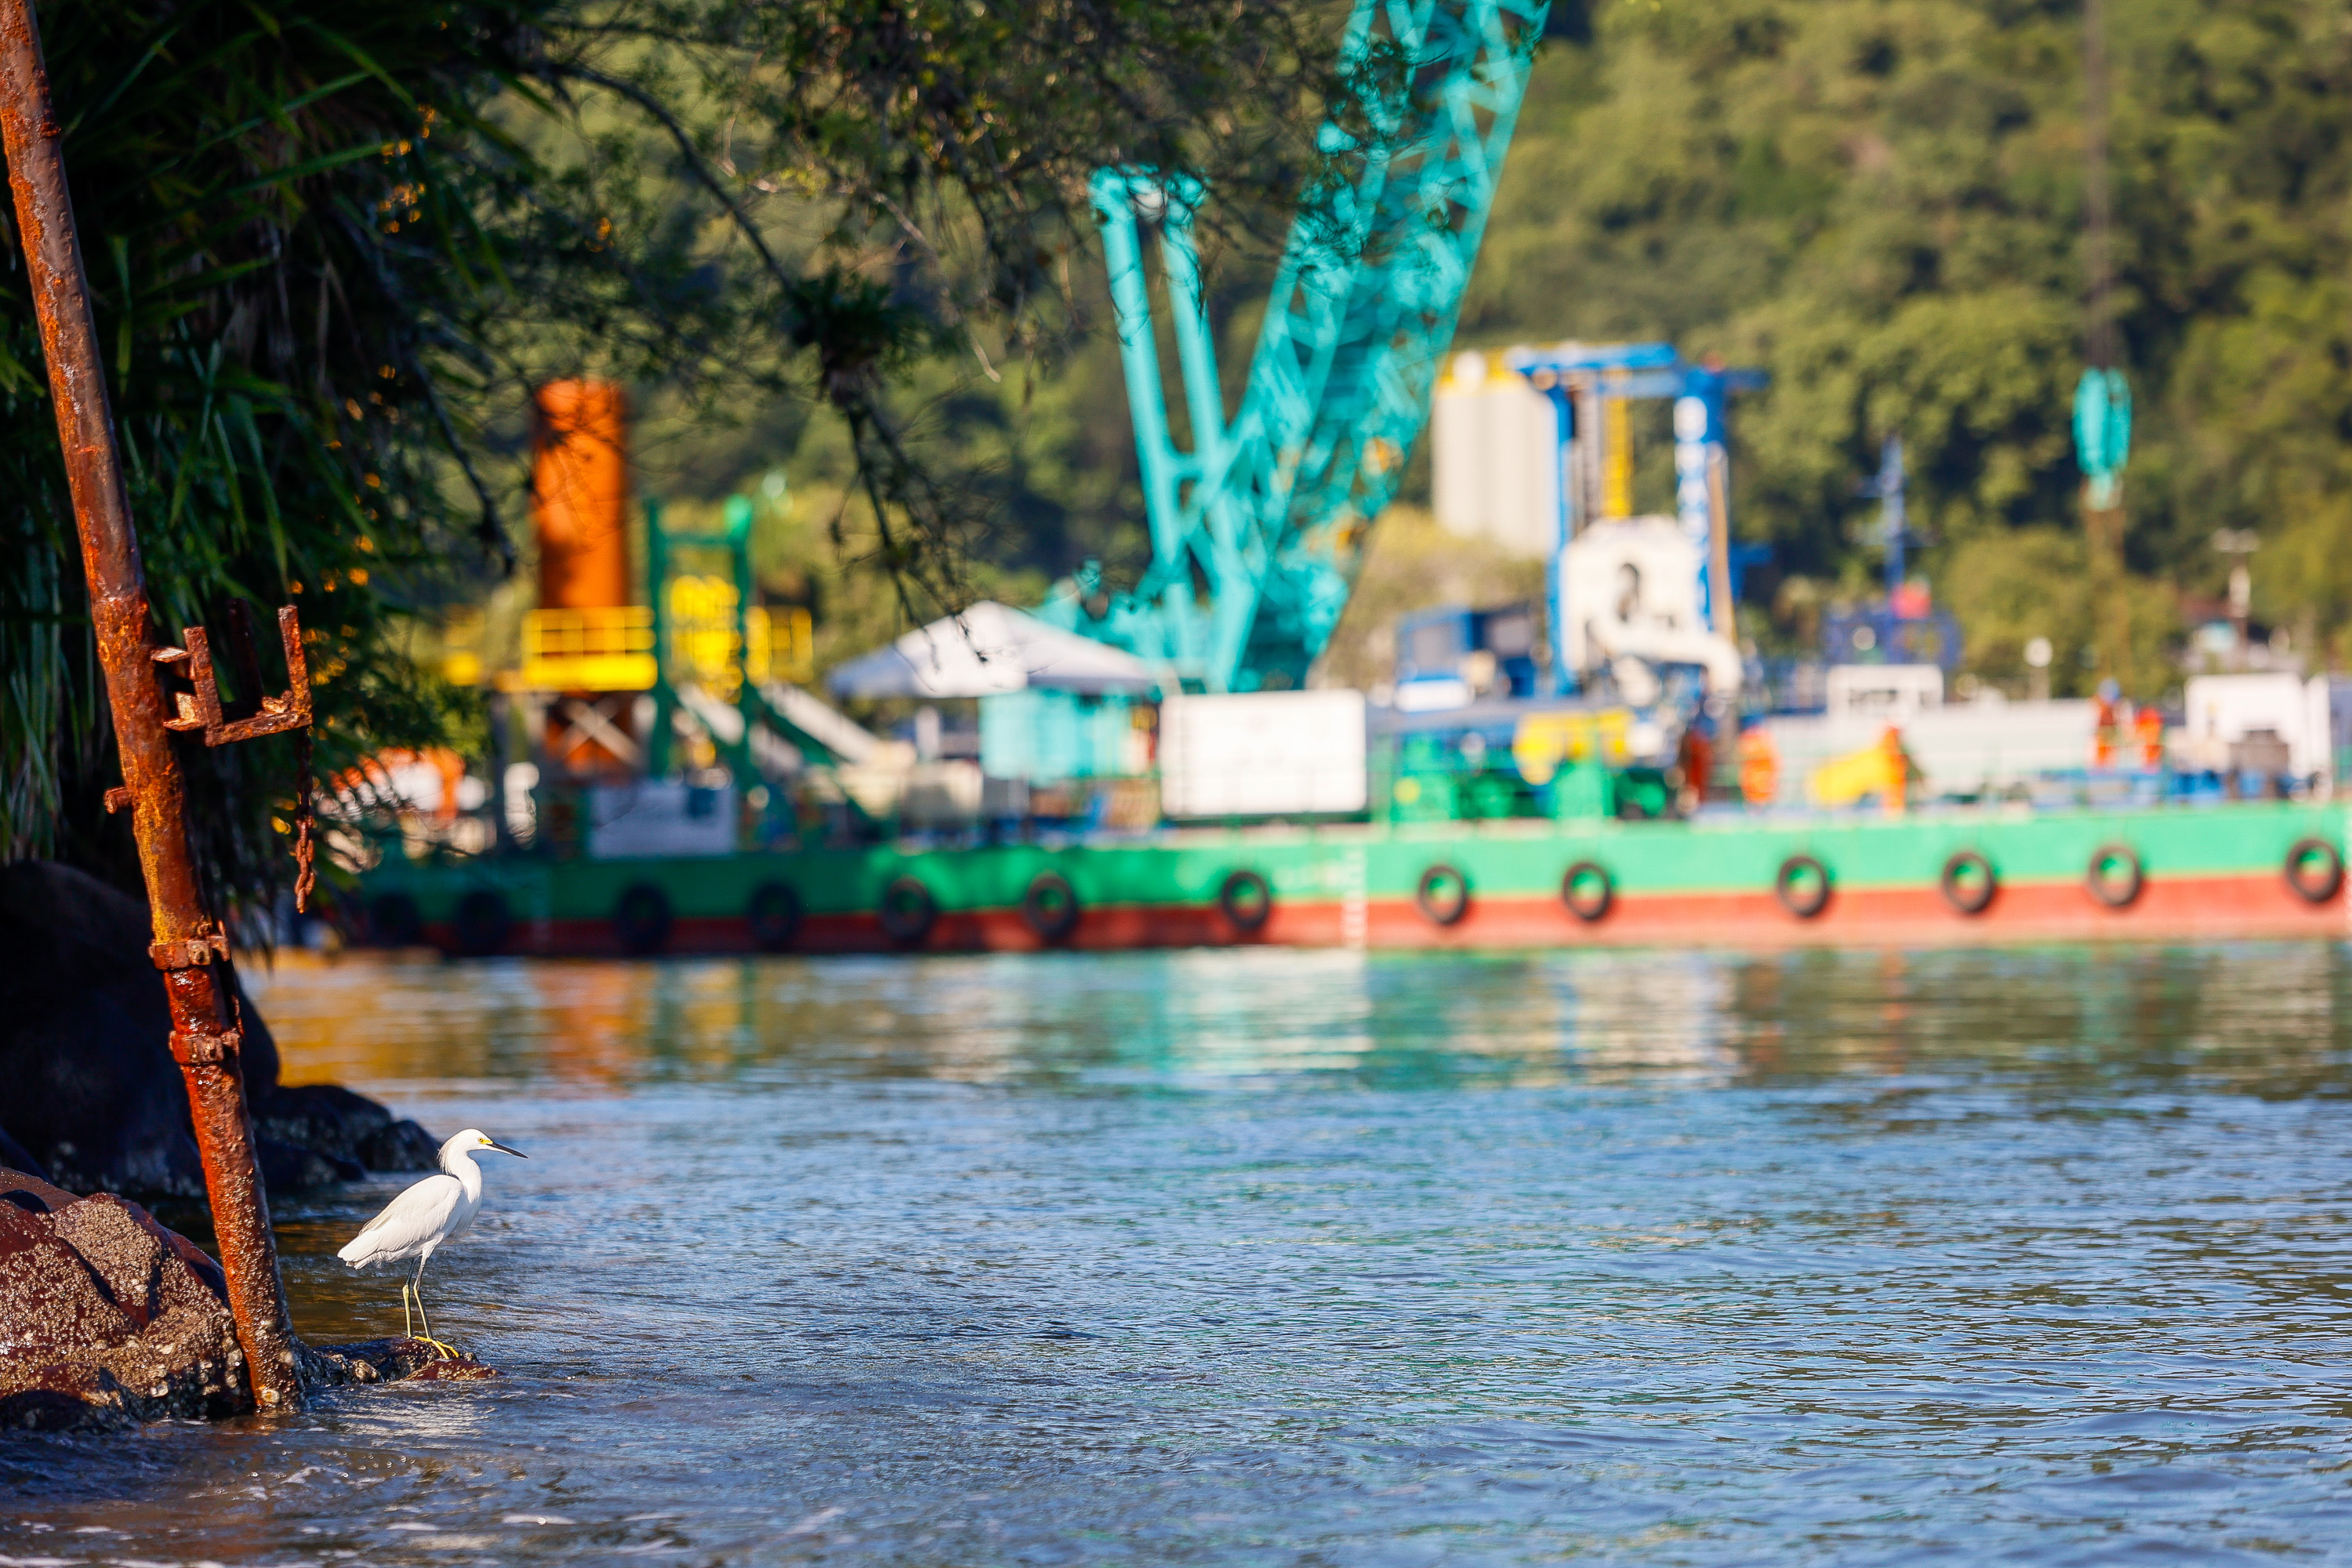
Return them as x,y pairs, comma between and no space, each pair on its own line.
2216,908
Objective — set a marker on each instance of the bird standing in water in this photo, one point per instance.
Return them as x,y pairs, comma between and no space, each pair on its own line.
437,1209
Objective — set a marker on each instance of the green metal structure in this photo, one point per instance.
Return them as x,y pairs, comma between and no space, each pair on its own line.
734,538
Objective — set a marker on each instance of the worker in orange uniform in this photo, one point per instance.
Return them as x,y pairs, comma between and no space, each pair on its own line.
2107,729
1759,767
1697,763
2148,734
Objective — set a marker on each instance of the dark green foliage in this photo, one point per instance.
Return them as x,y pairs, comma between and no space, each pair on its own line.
277,265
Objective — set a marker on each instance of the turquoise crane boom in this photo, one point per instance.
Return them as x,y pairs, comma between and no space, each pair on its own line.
1265,512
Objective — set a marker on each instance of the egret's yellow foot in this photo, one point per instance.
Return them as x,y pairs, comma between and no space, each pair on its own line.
448,1351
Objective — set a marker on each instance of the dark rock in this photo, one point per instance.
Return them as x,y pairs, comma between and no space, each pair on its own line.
95,1100
289,1167
352,1129
33,1194
403,1146
48,1298
146,1268
453,1368
107,1318
399,1360
322,1116
13,1156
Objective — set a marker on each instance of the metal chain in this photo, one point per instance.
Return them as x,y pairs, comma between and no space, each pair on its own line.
306,875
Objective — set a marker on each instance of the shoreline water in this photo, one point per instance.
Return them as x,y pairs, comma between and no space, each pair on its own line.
1224,1256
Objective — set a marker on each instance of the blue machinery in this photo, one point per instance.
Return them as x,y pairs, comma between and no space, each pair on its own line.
1580,381
1261,518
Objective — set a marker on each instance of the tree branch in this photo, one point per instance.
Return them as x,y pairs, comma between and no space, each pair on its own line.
702,172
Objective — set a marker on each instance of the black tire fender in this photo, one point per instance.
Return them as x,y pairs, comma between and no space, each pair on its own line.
1050,907
1442,895
1247,900
1789,886
1588,891
774,916
2315,870
641,918
394,921
2114,892
481,923
1955,882
907,911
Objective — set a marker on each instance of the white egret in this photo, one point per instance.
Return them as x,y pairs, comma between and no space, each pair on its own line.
437,1209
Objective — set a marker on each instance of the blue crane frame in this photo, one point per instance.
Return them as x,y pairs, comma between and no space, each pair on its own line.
1262,517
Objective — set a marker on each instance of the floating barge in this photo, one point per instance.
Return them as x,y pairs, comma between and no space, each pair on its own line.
1969,876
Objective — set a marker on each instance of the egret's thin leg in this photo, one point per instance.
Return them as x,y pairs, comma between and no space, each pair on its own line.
407,1324
448,1351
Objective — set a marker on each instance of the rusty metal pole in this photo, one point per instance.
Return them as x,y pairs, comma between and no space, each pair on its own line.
187,942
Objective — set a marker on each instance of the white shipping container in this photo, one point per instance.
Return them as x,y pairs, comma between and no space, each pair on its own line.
2228,709
1262,753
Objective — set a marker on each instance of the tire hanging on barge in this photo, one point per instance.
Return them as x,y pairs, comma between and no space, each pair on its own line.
2114,875
641,920
1442,895
1245,899
774,916
1802,886
907,911
481,923
1969,882
1050,907
1588,891
2315,870
393,921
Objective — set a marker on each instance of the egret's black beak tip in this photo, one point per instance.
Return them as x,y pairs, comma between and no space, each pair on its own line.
504,1150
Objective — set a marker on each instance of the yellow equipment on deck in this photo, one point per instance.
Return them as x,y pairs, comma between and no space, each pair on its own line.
1882,768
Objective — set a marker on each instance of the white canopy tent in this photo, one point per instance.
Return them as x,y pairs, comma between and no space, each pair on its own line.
989,650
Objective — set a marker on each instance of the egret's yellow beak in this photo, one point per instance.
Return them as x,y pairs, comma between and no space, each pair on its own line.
494,1143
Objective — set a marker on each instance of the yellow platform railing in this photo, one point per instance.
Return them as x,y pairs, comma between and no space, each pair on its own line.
613,650
704,646
588,651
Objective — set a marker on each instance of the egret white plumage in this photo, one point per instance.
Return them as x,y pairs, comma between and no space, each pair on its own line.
438,1209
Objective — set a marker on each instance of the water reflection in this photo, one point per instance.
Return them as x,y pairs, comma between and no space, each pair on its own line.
2262,1018
1261,1256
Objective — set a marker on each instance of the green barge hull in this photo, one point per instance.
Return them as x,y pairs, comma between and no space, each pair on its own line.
1969,876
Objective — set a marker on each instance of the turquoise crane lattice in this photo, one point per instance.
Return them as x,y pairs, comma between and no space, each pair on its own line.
1265,512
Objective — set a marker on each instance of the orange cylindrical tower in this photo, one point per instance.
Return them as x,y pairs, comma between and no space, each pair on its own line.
580,509
580,495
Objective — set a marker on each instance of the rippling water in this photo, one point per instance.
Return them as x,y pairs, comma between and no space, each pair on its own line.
1283,1258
